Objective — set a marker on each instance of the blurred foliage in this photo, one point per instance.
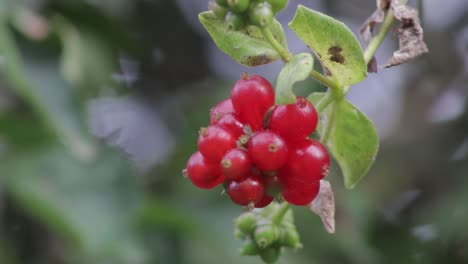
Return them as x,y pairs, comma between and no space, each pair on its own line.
67,197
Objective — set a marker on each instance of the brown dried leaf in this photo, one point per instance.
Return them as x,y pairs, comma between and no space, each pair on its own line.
324,206
410,34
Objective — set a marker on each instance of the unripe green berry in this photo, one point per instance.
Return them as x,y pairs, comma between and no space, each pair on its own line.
278,5
246,223
266,235
261,15
219,11
238,6
249,248
271,254
234,21
222,3
290,238
268,211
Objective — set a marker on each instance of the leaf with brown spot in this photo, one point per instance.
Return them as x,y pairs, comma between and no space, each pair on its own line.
410,34
324,206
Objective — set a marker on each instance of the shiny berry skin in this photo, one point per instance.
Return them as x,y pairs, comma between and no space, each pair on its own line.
234,21
214,142
268,150
236,164
222,108
308,162
249,190
261,15
251,98
219,11
238,6
295,121
301,194
264,202
231,123
203,174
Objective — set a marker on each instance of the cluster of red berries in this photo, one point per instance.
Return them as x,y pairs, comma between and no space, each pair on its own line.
259,149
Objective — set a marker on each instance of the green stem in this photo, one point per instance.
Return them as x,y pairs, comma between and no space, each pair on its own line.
329,126
326,81
282,51
278,216
378,39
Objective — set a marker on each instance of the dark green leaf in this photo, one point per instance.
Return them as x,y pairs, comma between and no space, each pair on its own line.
246,46
333,42
296,70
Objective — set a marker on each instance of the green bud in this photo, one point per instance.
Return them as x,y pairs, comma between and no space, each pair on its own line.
238,6
278,5
246,223
219,11
268,211
234,21
261,15
271,254
239,234
266,235
249,248
222,3
290,238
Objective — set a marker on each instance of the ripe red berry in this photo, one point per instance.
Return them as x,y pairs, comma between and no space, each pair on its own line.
214,142
231,123
307,162
268,150
294,121
249,190
301,194
265,201
222,108
251,97
203,174
236,164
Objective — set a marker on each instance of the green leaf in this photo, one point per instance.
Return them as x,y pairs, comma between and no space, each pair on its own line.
247,46
334,44
353,139
296,70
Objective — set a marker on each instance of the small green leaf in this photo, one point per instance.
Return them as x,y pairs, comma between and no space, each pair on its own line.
353,140
247,46
296,70
333,42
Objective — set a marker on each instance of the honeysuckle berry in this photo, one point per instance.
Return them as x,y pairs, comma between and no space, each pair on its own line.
222,3
264,202
218,10
203,174
246,223
236,164
268,150
290,238
214,141
261,15
251,98
266,234
270,254
308,161
231,123
234,21
278,5
222,108
295,121
246,192
249,248
238,6
300,194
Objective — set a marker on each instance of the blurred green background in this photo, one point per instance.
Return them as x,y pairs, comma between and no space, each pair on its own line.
100,103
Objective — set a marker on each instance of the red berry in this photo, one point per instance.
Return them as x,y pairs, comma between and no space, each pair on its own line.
214,142
294,121
268,150
251,97
236,164
307,162
249,190
203,174
231,123
265,201
222,108
301,194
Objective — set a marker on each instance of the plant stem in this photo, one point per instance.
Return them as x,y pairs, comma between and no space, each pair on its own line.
282,51
278,216
378,39
326,81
